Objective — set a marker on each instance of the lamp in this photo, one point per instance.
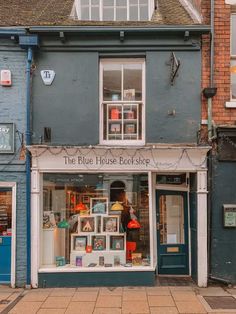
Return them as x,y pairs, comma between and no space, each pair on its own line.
117,206
80,207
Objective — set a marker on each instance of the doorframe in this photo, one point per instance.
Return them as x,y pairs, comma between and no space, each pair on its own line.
176,189
12,185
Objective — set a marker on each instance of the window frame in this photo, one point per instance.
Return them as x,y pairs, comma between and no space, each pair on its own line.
150,9
232,56
122,142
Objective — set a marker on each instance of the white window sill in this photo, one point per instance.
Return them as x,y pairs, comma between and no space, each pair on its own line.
230,104
232,2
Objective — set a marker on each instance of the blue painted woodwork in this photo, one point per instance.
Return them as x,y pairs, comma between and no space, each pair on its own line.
5,259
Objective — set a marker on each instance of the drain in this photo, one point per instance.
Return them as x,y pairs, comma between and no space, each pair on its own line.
223,303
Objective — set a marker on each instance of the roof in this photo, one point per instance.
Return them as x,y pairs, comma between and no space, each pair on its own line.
57,13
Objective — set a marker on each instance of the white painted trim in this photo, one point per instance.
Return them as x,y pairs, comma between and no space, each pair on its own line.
202,256
195,15
231,2
230,104
12,185
154,223
151,218
74,269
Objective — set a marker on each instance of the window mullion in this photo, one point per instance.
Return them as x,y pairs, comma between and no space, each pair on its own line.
101,10
114,10
122,98
138,10
127,5
90,10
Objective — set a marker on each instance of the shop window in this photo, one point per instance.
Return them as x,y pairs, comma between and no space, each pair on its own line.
113,10
233,57
82,228
122,101
226,140
5,211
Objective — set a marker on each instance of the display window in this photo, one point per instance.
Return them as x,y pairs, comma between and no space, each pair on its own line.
95,220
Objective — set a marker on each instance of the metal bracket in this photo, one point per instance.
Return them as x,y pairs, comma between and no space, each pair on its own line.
122,36
174,64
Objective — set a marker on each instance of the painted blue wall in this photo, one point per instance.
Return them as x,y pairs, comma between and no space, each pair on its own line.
223,240
70,106
12,169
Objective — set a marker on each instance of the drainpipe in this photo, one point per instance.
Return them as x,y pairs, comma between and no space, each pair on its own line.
28,164
28,42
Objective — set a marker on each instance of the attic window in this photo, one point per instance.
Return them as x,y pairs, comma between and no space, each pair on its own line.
113,10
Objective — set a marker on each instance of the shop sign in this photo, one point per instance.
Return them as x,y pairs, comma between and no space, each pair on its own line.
47,76
229,215
7,138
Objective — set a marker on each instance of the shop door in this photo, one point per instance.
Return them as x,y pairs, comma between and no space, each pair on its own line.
172,233
5,234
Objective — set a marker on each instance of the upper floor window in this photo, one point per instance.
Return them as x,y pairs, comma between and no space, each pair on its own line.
233,57
113,10
122,101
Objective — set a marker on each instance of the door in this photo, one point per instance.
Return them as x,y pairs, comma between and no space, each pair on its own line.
172,233
5,234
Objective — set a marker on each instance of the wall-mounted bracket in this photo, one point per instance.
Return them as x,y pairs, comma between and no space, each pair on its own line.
122,36
62,37
174,64
186,35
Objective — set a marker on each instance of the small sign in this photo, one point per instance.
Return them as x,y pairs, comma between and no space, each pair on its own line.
229,215
172,250
7,133
47,76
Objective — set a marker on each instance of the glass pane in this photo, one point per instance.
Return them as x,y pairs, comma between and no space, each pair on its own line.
171,219
112,82
108,14
79,219
95,2
84,2
133,11
121,3
233,79
233,34
108,3
121,14
95,13
133,81
143,2
143,13
5,211
85,13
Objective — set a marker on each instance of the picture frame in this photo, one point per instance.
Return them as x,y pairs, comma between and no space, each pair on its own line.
115,128
78,242
99,242
110,224
99,205
86,224
117,243
129,94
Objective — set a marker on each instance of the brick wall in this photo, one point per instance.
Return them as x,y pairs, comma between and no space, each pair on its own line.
12,169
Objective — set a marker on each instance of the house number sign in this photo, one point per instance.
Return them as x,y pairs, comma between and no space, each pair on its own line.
6,138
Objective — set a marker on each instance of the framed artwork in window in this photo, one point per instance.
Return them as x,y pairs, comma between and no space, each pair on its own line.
110,224
99,242
86,224
99,205
79,243
117,242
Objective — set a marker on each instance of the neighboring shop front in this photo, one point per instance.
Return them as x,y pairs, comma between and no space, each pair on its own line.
118,216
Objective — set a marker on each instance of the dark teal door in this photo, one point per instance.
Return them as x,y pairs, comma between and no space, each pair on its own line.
5,234
172,232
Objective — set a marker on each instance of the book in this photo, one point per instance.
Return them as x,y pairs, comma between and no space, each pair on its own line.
101,260
136,259
92,265
78,261
108,265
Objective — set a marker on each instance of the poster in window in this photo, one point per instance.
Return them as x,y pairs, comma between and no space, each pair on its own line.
7,132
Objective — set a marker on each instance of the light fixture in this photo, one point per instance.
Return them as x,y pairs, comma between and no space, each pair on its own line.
117,206
80,207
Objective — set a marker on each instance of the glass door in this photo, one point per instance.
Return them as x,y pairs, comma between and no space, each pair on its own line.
172,232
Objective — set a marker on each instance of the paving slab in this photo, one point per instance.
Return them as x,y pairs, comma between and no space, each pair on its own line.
164,310
111,301
83,296
190,307
134,295
135,307
160,301
56,302
108,310
26,308
212,291
111,291
62,292
80,308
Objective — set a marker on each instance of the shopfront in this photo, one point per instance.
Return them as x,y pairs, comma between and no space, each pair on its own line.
117,216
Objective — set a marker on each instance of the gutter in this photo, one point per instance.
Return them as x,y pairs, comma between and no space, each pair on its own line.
201,29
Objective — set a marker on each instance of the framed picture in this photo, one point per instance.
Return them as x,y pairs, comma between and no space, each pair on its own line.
79,243
99,242
99,205
110,224
129,94
115,128
86,224
117,243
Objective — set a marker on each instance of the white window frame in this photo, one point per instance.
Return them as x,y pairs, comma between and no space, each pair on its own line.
232,102
103,141
77,8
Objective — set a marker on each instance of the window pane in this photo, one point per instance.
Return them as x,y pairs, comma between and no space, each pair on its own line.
143,13
233,34
84,2
108,3
85,13
108,14
112,82
121,3
95,13
95,2
121,14
233,79
171,219
132,82
79,219
133,12
5,211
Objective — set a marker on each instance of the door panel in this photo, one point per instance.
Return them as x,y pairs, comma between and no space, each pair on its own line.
172,232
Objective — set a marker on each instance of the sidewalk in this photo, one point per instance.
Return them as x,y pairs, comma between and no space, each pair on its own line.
119,300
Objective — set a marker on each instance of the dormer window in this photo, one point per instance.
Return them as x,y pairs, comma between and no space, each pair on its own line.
113,10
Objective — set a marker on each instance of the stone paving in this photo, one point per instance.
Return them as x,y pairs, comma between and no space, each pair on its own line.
119,300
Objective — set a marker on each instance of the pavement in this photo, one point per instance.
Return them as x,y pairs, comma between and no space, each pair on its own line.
119,300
